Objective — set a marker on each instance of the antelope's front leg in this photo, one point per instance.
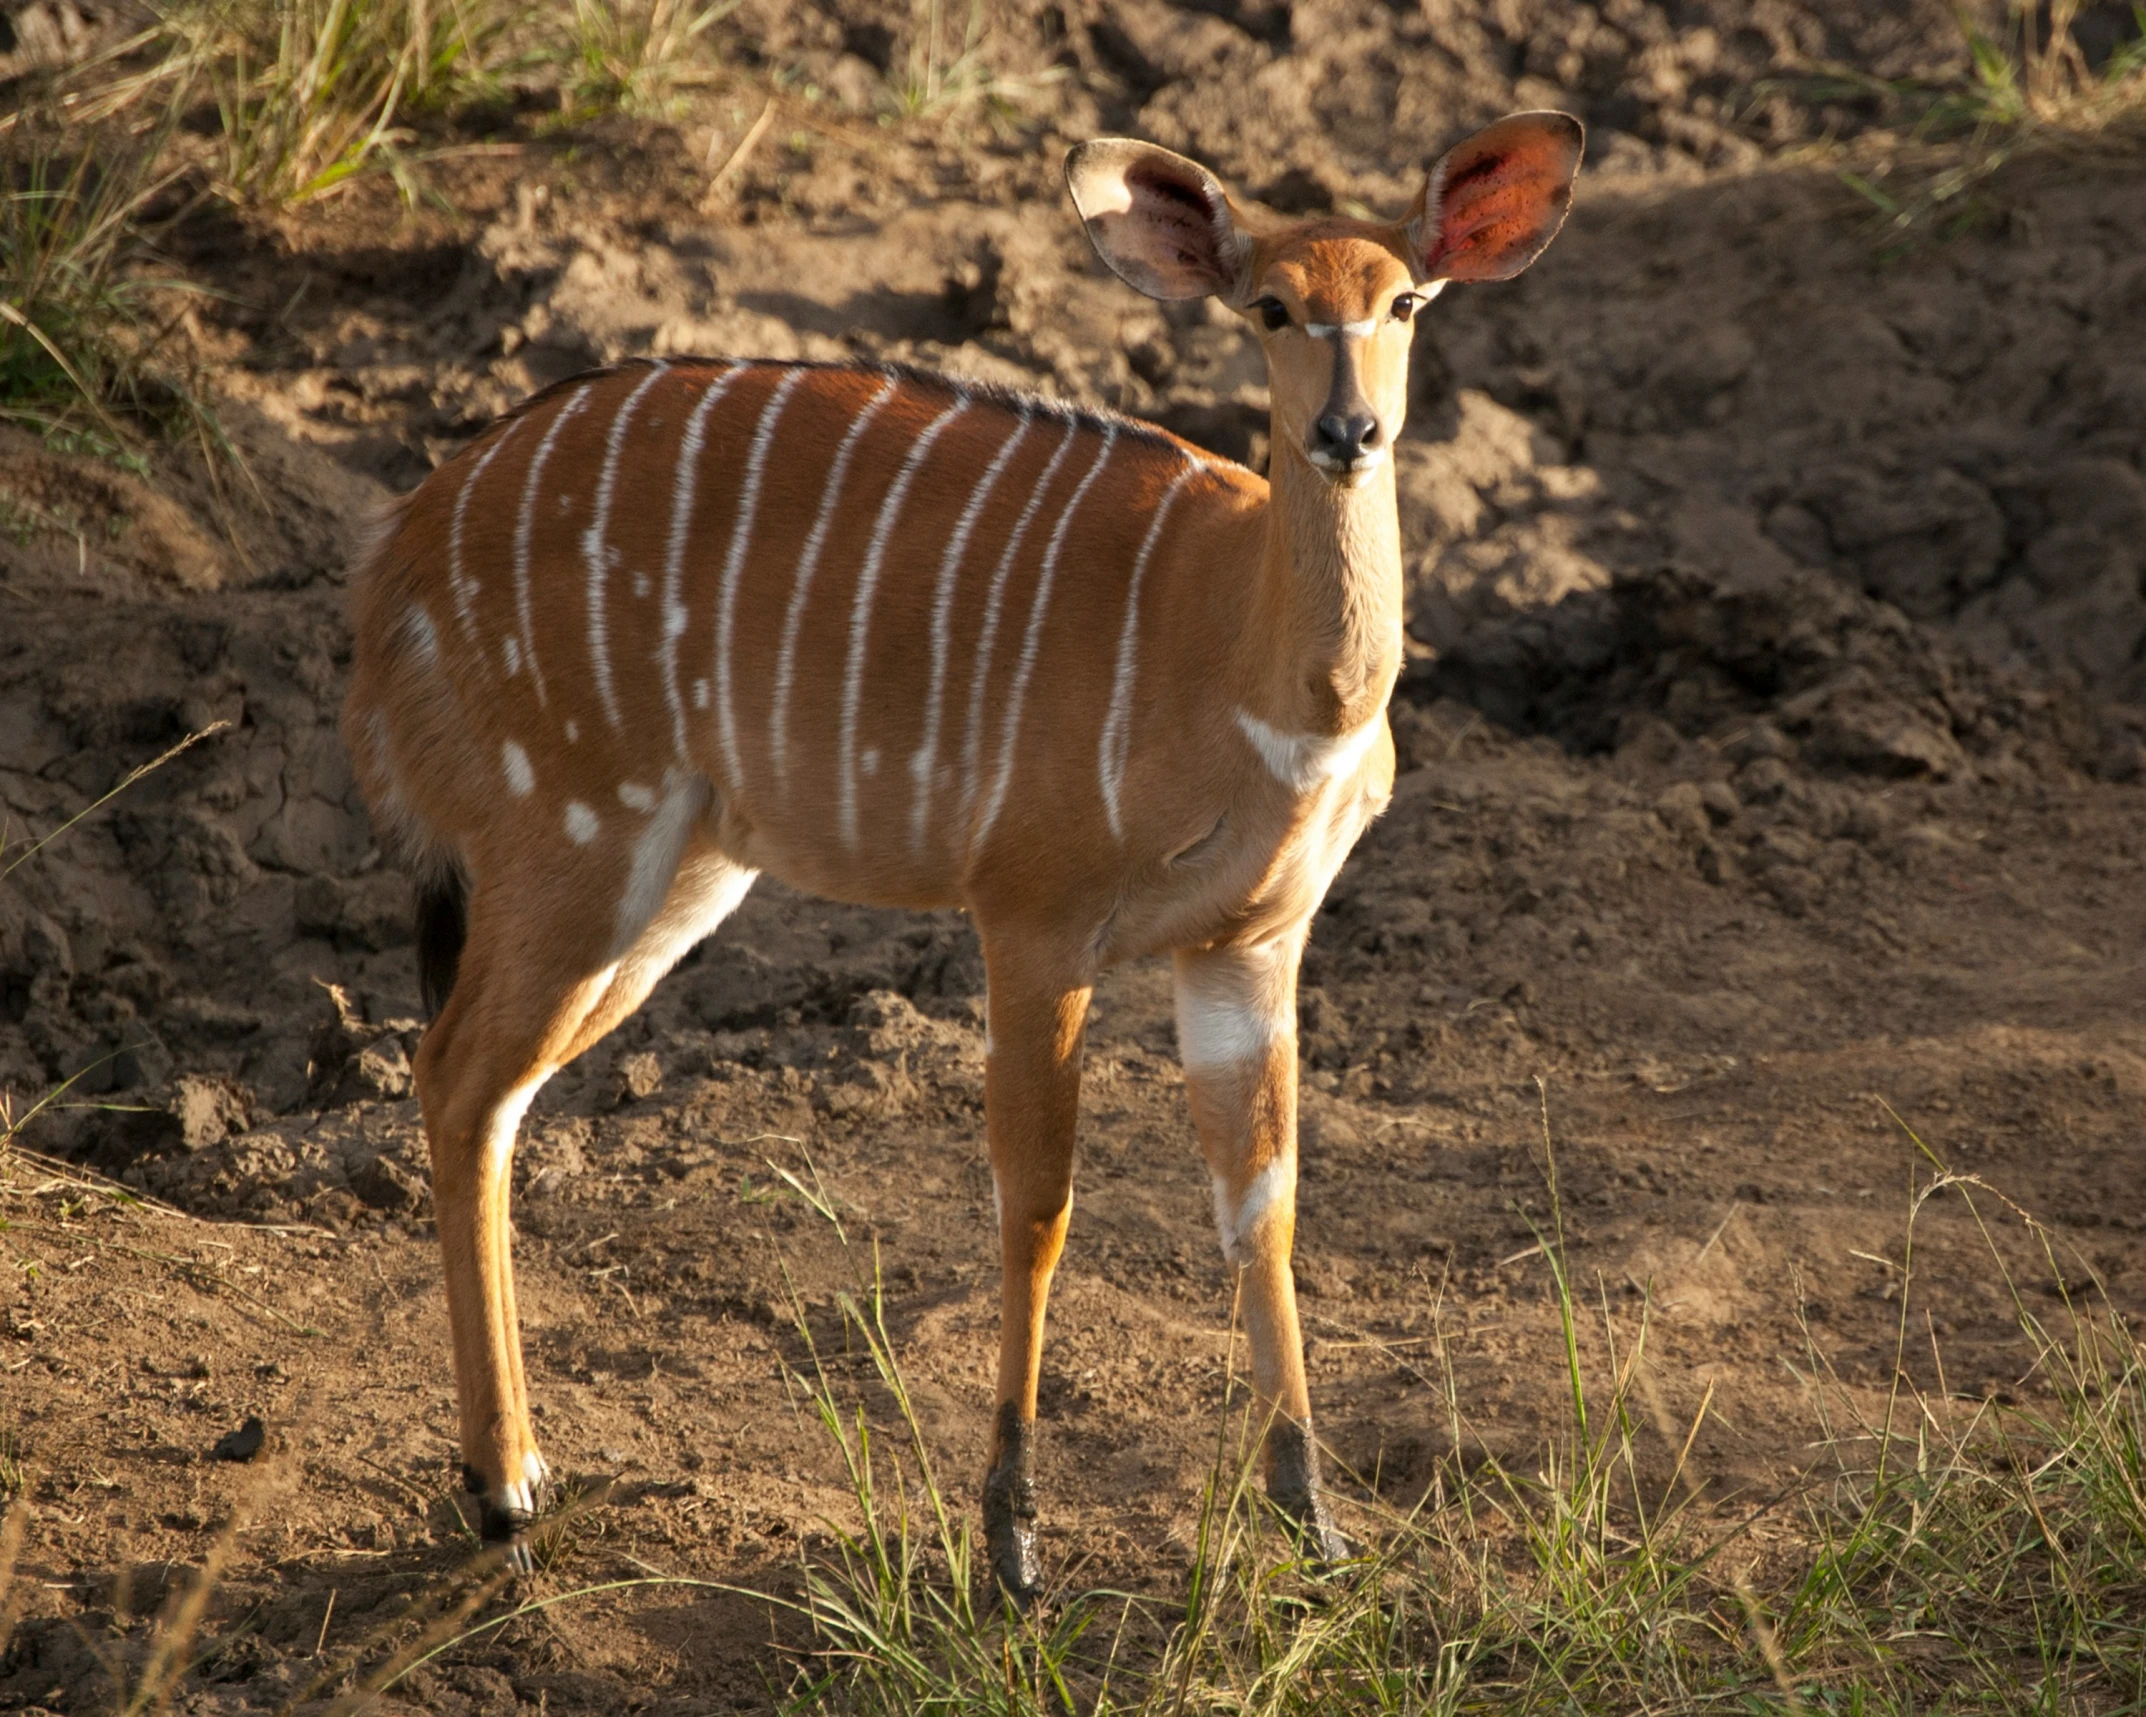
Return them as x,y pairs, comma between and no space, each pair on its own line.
1237,1034
1037,1014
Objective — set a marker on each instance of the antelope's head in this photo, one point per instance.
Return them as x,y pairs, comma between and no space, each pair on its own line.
1331,298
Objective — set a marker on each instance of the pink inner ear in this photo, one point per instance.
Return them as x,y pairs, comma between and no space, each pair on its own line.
1500,204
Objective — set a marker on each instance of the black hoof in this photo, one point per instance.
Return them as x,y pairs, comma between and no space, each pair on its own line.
501,1526
1010,1512
1293,1487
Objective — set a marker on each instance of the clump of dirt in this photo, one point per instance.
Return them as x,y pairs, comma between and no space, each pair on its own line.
1768,744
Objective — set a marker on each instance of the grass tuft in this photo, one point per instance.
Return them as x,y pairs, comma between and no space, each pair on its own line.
90,353
1939,1553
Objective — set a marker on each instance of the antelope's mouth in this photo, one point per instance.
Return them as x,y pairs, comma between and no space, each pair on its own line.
1345,470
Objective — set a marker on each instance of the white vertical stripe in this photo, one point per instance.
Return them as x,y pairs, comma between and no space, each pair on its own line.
860,616
801,581
926,757
683,482
1032,643
972,743
595,552
465,587
1116,743
741,536
525,523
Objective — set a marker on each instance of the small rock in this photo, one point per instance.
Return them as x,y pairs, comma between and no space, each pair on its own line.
635,1078
382,1069
1682,809
242,1444
1720,801
209,1109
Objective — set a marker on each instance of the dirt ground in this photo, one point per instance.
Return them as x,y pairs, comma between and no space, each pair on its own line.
1771,764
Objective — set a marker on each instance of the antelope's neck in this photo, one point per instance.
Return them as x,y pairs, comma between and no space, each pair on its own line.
1330,596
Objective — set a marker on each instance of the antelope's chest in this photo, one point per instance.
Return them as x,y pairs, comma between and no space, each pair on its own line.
1258,858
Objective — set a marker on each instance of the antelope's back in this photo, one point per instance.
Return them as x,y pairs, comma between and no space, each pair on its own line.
896,621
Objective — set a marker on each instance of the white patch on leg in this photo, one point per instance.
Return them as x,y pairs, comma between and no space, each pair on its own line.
536,1474
1233,1004
521,779
1236,1221
582,824
515,1498
505,1123
1218,1032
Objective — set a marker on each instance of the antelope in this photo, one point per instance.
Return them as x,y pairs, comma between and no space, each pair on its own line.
905,640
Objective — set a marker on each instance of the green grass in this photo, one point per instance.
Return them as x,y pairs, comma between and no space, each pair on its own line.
1942,1555
2026,85
90,352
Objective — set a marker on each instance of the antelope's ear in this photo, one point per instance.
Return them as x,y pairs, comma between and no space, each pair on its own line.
1163,224
1496,200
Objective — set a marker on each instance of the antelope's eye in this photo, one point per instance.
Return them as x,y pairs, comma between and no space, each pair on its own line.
1273,312
1405,305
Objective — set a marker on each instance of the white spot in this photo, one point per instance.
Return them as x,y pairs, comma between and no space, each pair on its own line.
424,636
1305,760
1117,741
1238,1220
741,536
573,733
521,779
700,694
636,797
1032,643
998,1203
566,503
598,556
808,561
641,584
582,824
526,524
924,761
868,764
512,650
860,617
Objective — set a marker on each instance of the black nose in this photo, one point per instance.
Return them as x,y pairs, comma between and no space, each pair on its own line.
1345,438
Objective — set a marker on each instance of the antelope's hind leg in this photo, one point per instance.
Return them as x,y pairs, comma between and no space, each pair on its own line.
1038,1011
1236,1027
559,951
